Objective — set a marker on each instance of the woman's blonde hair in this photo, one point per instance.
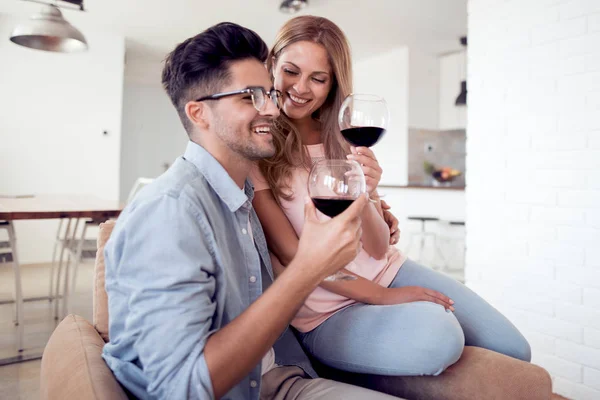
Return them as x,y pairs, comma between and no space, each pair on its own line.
288,143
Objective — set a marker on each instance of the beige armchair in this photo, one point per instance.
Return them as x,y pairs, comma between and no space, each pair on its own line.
73,368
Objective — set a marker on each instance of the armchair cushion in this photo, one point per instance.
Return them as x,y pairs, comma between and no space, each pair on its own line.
73,367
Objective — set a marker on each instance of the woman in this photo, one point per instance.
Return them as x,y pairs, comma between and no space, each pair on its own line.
397,317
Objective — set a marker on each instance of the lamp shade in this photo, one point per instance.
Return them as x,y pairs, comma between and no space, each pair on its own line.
292,6
49,31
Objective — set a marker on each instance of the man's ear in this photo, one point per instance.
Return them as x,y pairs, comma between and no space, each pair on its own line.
198,113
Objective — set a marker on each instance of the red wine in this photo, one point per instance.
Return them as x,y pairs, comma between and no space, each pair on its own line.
363,136
332,206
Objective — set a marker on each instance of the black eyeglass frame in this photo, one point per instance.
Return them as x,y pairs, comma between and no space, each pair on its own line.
249,90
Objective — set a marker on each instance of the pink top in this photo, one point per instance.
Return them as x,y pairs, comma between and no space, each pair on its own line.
322,304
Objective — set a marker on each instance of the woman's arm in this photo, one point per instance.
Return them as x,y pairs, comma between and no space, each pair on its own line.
283,243
376,233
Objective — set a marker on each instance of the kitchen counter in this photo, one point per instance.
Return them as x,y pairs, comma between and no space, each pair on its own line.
418,186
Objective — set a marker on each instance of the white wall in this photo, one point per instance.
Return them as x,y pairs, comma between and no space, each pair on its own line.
386,75
453,70
140,71
152,134
424,90
533,200
54,109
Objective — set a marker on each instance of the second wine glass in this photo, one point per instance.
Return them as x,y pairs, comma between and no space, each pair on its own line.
332,186
363,119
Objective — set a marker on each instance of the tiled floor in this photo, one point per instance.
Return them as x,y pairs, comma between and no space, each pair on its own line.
21,381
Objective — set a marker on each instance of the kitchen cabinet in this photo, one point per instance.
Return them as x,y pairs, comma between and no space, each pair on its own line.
452,71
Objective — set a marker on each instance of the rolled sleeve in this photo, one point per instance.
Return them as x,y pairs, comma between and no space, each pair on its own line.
166,268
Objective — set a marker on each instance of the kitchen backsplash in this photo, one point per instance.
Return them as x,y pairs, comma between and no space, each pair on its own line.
440,148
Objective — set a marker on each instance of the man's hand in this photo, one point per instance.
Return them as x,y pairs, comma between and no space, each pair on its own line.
392,222
330,245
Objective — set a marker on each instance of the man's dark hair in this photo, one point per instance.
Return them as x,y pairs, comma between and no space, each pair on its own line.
200,65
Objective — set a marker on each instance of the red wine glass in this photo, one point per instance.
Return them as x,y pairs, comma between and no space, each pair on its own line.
333,185
363,119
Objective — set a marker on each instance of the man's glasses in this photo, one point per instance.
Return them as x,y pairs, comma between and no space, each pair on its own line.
258,94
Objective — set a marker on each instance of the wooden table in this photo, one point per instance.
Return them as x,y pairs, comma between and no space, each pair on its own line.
57,206
72,207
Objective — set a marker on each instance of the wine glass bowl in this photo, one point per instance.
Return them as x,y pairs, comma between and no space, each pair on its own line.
334,184
363,119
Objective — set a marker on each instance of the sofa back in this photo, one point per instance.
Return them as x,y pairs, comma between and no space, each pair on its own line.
100,299
73,367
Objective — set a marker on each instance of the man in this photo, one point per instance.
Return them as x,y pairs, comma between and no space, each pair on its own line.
194,312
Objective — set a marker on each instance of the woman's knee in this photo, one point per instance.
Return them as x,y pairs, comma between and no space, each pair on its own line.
520,349
448,347
418,339
440,344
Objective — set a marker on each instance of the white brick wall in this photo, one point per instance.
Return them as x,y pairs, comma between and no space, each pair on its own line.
591,337
591,298
533,194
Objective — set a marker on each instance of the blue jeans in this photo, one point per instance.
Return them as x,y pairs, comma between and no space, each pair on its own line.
419,338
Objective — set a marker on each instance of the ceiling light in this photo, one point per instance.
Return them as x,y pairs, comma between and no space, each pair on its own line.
49,31
292,6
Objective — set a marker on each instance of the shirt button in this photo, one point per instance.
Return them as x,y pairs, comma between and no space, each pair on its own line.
253,383
252,279
244,231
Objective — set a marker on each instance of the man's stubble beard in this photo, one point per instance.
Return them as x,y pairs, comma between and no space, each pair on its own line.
243,144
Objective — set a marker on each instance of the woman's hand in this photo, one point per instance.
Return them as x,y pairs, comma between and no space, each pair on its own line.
409,294
370,166
392,222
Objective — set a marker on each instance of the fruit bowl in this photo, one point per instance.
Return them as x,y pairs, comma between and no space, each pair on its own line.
443,175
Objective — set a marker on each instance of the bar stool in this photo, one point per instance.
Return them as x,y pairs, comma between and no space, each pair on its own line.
423,234
450,239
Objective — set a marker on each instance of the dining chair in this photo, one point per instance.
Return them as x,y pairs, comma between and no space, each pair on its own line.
75,244
8,254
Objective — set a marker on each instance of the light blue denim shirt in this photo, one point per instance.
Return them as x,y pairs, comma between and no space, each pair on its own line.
180,265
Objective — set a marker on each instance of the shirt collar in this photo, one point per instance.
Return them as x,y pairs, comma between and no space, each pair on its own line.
218,178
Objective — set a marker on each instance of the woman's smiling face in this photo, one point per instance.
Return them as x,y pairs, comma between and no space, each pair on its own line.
303,74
